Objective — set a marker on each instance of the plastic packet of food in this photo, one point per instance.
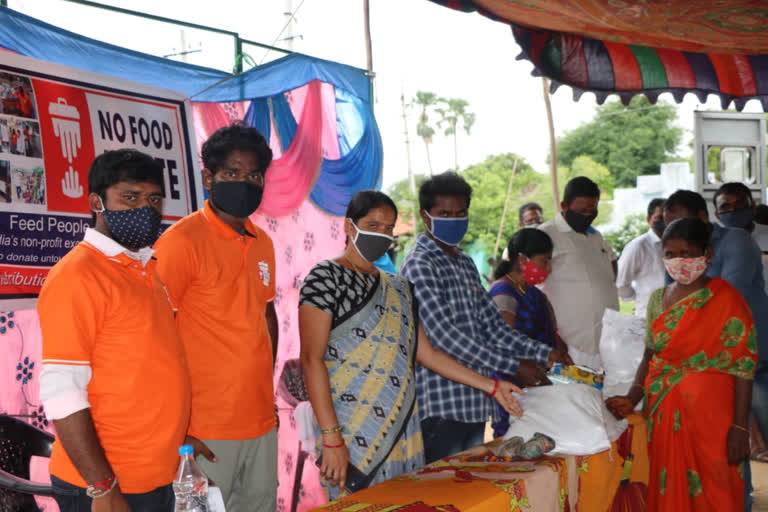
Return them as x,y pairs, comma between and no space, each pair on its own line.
575,374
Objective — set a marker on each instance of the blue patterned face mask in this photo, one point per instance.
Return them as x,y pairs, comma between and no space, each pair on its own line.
135,228
450,230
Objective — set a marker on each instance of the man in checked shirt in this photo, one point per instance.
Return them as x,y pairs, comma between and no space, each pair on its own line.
460,319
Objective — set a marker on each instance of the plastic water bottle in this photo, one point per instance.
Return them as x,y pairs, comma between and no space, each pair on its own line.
190,485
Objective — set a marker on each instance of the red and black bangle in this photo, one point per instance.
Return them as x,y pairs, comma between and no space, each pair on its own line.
333,445
100,489
495,389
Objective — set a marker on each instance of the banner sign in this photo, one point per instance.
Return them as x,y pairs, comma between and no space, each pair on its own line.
53,121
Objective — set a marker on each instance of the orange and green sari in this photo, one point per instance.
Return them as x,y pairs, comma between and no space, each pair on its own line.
702,344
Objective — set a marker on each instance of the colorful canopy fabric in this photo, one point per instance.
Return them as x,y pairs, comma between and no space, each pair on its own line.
627,48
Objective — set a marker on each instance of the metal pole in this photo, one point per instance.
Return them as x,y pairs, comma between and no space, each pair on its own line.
411,177
288,37
238,55
266,46
368,44
150,16
238,40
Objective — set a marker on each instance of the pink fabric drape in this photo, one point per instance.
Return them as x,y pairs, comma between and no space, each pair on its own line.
290,177
20,367
330,141
293,173
208,117
301,240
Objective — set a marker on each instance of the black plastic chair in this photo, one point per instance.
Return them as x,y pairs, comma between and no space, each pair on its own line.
19,441
292,390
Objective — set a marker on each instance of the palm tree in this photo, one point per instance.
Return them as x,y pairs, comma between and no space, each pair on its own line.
455,110
425,100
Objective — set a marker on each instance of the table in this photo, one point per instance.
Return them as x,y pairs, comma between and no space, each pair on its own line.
476,481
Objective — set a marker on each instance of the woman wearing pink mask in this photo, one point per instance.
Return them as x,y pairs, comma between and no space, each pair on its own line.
695,379
522,305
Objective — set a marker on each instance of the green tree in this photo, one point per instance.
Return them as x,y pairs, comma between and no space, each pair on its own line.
629,141
632,227
407,209
452,113
426,101
585,166
490,180
407,202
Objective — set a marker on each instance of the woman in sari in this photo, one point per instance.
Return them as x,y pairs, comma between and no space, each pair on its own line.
360,341
523,306
696,380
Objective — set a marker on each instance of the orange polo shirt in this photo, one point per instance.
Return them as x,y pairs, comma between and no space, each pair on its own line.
114,315
221,282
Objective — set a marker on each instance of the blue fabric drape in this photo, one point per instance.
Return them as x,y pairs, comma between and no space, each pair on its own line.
360,169
288,73
259,117
284,121
349,122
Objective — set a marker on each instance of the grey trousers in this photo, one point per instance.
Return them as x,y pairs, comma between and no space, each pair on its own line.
246,472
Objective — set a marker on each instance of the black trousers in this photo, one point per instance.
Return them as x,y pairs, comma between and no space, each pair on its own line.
73,499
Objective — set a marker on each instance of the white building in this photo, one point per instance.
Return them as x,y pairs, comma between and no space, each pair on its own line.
628,201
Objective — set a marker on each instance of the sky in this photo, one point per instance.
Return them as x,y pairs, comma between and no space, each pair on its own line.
417,45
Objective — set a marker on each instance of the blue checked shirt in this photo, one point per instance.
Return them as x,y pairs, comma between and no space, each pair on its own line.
460,319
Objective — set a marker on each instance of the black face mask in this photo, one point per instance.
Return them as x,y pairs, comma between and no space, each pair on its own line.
659,226
371,245
579,223
237,198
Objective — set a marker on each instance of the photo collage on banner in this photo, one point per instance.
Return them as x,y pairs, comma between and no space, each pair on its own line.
22,177
53,122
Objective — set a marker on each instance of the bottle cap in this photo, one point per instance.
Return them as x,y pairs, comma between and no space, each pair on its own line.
186,449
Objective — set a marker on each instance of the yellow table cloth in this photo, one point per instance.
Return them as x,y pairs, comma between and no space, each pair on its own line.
477,481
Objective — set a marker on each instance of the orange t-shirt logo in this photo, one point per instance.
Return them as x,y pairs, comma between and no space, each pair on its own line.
264,272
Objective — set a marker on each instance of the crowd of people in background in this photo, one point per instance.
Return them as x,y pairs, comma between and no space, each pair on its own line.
400,369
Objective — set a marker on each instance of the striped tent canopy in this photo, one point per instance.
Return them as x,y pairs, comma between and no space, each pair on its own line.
641,47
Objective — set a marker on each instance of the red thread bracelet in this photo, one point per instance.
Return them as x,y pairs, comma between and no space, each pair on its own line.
333,445
495,388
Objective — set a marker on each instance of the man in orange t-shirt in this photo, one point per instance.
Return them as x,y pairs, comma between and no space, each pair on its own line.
25,102
114,378
220,272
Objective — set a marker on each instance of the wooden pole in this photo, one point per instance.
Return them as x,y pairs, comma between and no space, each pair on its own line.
506,207
552,146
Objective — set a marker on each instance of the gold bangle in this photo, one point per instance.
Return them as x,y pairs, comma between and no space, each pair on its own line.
740,428
332,430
